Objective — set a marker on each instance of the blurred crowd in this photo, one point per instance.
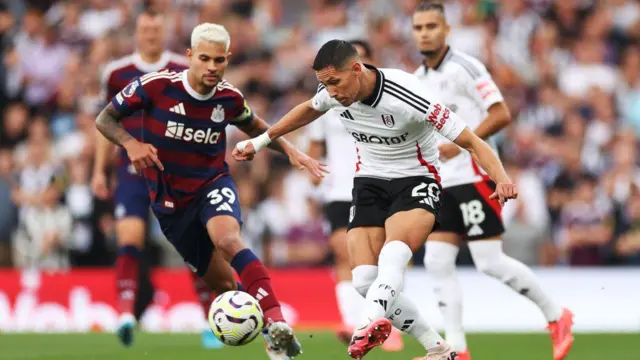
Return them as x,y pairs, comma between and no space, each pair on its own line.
569,70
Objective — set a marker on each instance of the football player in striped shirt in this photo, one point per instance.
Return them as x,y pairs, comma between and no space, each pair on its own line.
182,160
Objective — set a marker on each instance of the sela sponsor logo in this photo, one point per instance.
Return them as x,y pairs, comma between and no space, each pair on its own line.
374,139
178,131
439,116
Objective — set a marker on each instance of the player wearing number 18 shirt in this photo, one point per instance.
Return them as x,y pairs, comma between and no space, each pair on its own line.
393,120
183,161
467,212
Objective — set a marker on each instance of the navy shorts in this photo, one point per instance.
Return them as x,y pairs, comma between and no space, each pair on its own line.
186,228
131,198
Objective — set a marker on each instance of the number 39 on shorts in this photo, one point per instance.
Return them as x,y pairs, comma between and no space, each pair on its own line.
224,197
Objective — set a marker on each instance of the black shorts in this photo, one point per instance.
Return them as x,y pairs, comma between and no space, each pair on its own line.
375,200
467,211
337,213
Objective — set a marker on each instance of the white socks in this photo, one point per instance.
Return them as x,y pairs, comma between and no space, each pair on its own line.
404,315
440,262
489,258
349,302
392,264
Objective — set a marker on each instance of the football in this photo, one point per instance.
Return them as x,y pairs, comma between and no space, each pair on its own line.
236,318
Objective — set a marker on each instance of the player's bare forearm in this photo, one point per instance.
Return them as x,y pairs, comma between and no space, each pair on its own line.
298,117
109,124
498,117
258,127
103,145
484,155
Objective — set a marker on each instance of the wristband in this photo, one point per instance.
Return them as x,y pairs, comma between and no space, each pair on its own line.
261,141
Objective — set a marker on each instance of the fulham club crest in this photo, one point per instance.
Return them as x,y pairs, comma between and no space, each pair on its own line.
387,119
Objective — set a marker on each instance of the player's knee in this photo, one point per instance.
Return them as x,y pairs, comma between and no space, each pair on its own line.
224,285
131,232
363,277
339,246
439,266
488,256
229,244
490,264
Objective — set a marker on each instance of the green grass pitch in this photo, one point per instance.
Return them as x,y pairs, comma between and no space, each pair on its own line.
317,346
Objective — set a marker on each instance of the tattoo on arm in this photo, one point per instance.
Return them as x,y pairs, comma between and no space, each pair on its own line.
108,123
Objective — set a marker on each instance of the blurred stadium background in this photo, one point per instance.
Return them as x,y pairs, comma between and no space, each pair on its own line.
570,72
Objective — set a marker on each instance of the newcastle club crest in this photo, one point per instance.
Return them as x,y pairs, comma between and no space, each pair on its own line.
218,114
387,119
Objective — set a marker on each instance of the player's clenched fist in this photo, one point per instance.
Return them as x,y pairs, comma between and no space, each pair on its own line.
142,155
244,151
504,191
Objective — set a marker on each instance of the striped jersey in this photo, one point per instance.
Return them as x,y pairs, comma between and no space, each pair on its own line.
469,91
118,73
394,128
187,128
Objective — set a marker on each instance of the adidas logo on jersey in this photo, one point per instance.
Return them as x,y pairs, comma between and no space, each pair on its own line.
347,115
178,109
178,131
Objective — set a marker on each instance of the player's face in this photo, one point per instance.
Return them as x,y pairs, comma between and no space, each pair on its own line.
430,31
150,34
342,84
208,60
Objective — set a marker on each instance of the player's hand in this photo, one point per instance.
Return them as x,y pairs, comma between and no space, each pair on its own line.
449,151
504,191
142,155
99,185
303,161
244,151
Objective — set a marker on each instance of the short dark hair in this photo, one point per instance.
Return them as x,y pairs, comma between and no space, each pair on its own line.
334,53
368,51
430,5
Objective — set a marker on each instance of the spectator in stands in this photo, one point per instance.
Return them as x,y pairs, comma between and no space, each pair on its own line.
587,221
8,211
627,244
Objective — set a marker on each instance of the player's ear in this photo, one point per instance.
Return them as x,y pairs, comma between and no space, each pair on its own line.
189,53
356,68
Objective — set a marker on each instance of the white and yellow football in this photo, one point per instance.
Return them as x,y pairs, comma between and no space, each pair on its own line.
236,318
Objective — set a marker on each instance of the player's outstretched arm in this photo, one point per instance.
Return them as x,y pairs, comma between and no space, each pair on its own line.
298,117
109,123
257,127
490,162
246,149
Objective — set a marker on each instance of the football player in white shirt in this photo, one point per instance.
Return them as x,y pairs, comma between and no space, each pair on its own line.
329,139
396,192
467,213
